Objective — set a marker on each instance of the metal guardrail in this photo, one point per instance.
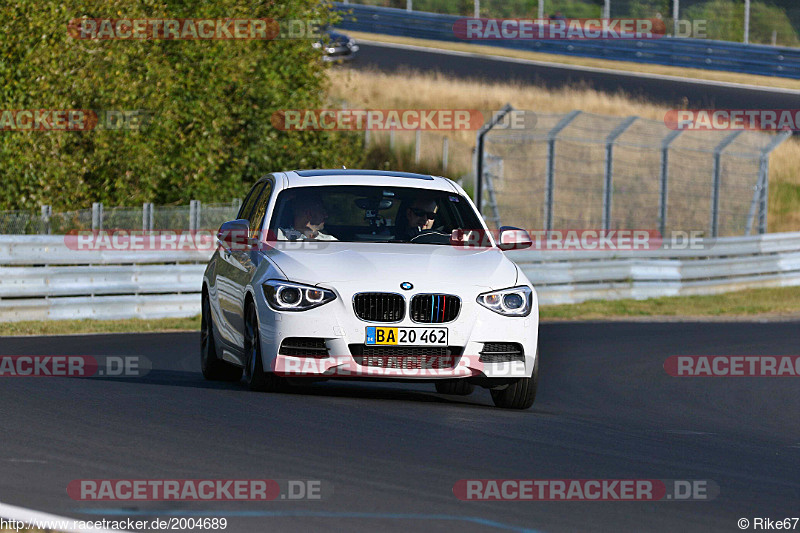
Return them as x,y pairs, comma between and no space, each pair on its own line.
42,279
694,53
727,264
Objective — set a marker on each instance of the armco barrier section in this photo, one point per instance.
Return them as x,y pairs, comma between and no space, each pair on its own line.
695,53
42,279
729,264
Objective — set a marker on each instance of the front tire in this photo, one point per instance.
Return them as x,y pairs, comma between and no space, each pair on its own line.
213,368
521,393
254,375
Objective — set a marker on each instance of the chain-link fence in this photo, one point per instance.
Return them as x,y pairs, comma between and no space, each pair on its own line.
430,152
148,217
581,170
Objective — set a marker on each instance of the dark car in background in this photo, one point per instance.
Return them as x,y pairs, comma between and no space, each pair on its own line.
336,46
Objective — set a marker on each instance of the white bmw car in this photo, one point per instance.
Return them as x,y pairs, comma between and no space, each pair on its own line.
364,274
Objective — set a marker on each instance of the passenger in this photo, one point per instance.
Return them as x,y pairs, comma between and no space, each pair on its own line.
308,221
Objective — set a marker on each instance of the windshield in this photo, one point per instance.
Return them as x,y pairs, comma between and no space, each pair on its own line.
352,213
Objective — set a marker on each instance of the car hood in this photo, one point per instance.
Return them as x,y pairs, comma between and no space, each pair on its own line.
383,264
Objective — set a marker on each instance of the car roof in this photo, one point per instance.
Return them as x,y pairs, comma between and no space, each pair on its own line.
339,176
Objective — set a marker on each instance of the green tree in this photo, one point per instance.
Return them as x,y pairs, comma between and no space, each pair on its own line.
726,21
210,134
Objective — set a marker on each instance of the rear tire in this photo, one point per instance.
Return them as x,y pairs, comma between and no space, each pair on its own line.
213,368
456,387
254,375
521,393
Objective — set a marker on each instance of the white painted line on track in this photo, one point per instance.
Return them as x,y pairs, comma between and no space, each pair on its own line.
31,517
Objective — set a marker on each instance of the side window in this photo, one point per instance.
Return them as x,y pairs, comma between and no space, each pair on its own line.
256,218
249,202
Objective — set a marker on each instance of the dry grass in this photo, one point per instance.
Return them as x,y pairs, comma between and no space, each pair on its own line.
692,73
433,91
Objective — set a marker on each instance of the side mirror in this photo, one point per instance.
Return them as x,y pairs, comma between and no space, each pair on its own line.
470,238
234,235
511,238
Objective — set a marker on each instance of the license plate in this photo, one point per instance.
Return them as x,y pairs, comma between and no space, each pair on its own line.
380,336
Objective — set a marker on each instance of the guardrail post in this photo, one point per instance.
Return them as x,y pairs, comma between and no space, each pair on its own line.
409,5
147,216
717,177
479,137
194,215
609,173
97,216
45,226
551,167
445,154
746,21
417,145
391,138
760,191
366,138
477,10
663,197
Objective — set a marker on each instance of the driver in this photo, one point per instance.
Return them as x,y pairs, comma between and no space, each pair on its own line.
308,222
420,215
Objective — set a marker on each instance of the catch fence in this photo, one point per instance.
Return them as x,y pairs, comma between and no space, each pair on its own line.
582,170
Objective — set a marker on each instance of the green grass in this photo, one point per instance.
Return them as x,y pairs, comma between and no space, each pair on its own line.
751,303
67,327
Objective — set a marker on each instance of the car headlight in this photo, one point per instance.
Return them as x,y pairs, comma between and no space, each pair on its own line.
509,302
317,45
289,296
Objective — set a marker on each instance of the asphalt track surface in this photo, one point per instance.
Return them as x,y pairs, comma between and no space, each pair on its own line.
682,93
606,409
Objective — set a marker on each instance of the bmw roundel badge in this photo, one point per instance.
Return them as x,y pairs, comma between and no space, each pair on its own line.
406,286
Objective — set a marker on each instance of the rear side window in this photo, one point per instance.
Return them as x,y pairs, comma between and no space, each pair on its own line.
250,201
256,218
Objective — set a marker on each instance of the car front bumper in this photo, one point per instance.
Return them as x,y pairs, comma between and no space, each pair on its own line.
337,323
